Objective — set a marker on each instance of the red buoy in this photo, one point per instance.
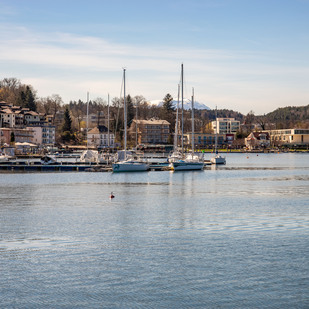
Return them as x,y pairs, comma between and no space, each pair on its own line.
112,195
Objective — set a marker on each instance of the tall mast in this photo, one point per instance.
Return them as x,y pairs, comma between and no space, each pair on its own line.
176,124
108,141
87,116
216,138
125,111
182,108
192,138
136,125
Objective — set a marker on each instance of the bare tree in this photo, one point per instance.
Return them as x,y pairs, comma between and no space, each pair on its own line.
249,120
50,105
10,90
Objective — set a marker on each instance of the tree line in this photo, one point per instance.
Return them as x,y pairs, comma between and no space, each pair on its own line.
13,91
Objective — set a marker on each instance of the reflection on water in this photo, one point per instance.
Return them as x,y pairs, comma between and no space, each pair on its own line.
233,236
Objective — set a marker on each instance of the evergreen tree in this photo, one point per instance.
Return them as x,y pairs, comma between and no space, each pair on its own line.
12,140
22,99
67,125
130,110
167,111
168,104
30,100
27,99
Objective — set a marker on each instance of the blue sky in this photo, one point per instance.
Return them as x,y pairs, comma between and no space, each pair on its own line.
237,54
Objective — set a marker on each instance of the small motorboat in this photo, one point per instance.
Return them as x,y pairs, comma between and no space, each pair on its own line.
48,160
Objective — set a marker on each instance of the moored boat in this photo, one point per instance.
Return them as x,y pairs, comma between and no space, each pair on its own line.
128,165
46,160
185,165
218,159
177,160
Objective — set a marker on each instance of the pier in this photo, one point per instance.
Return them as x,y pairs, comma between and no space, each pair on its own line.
33,166
63,166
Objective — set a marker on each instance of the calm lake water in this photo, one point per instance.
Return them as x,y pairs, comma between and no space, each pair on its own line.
235,236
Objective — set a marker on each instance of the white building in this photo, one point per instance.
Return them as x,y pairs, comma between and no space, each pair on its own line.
31,117
43,135
257,140
289,136
98,137
7,118
225,125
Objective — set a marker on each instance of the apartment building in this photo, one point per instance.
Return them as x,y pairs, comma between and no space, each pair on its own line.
202,140
25,125
152,131
225,125
43,135
19,135
289,136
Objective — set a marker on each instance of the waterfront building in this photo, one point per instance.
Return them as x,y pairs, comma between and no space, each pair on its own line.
152,131
225,125
289,136
20,135
204,140
257,140
43,135
98,137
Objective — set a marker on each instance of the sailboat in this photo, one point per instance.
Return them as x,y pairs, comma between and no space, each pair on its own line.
88,155
176,155
191,162
217,159
128,164
4,157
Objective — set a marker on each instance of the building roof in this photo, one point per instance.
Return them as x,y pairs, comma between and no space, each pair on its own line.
3,103
226,119
152,121
257,135
32,113
7,111
98,130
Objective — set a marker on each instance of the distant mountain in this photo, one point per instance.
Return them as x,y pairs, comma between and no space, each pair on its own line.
186,104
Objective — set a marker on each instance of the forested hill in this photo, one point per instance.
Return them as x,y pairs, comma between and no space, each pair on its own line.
221,113
289,113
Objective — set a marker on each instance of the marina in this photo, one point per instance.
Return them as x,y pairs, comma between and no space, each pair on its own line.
72,163
67,166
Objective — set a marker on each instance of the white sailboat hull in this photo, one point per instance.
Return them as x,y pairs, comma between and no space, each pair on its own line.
4,158
186,166
130,166
218,160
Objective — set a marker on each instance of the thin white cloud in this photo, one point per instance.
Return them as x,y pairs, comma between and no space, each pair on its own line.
71,65
95,53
